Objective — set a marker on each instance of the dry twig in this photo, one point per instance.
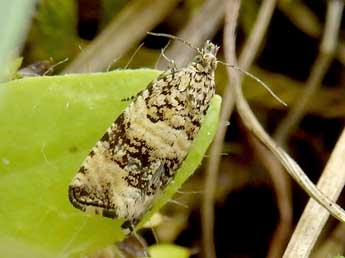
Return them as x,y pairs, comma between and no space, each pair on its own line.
314,216
327,50
290,165
282,189
281,185
306,21
252,44
122,33
280,181
217,146
302,17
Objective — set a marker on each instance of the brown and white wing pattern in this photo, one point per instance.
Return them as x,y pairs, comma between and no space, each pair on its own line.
141,151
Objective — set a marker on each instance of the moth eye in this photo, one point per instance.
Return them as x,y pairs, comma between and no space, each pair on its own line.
197,59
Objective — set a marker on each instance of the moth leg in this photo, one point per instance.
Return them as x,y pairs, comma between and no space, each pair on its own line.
171,62
127,99
156,179
152,186
129,225
133,245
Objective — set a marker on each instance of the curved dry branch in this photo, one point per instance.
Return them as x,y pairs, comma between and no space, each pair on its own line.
121,34
232,10
306,21
280,181
283,197
327,50
302,17
252,44
290,165
282,188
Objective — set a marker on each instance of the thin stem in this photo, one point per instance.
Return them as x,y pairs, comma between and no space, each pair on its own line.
282,188
280,181
122,34
250,50
232,10
327,49
290,165
254,41
302,17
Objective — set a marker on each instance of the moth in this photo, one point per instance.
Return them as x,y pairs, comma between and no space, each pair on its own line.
141,151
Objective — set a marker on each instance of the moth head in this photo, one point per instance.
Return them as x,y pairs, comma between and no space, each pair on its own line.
206,60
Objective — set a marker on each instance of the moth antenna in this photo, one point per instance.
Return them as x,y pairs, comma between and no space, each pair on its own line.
175,38
134,54
55,65
256,79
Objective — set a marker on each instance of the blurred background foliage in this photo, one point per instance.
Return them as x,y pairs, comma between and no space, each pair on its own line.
246,212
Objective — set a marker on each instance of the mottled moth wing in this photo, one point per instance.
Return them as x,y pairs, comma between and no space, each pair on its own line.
141,151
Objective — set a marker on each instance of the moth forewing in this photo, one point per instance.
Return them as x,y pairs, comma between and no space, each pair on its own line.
141,151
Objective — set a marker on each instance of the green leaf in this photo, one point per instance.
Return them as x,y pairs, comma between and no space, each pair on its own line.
14,19
48,126
13,67
168,251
